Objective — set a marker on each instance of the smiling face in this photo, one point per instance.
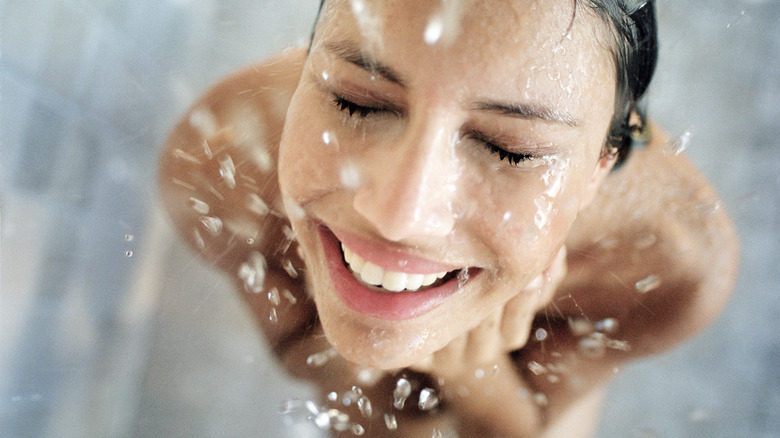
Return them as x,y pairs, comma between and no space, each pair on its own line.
434,160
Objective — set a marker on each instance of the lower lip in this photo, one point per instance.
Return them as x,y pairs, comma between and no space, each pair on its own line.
388,306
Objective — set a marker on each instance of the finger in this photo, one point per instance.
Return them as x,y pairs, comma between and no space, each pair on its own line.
484,341
516,321
551,278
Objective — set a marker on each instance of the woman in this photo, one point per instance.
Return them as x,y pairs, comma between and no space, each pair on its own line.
431,187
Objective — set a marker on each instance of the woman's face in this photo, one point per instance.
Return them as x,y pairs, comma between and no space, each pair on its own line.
448,146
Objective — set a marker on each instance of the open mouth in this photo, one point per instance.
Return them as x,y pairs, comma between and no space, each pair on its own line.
392,281
417,287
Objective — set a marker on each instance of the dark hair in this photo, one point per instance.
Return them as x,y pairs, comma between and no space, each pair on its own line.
635,54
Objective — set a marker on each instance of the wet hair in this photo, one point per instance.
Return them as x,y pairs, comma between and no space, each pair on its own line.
635,54
634,49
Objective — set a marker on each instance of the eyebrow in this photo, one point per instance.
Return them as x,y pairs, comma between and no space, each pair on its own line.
353,55
528,111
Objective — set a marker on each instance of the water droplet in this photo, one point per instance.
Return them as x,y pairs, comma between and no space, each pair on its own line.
198,206
257,205
322,420
227,170
321,358
204,121
328,137
350,397
290,269
402,391
541,399
311,407
273,296
607,325
617,345
207,149
541,334
507,216
252,272
128,253
436,433
580,326
543,208
289,296
358,430
463,277
592,346
333,396
391,422
289,238
537,368
180,154
479,373
433,31
289,406
552,378
648,284
350,176
645,241
325,76
428,399
364,405
212,225
272,316
198,238
679,144
129,237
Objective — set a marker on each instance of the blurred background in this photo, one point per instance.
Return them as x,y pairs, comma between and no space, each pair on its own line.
110,327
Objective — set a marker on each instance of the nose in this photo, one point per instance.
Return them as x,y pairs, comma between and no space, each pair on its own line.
411,186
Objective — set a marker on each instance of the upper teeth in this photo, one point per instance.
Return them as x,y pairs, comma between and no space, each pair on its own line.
390,280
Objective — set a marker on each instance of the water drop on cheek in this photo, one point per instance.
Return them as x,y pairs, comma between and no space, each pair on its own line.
433,31
350,176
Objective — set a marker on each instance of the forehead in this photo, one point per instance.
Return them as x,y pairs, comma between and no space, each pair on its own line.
492,45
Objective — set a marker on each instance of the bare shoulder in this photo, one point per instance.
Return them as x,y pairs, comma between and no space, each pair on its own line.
217,171
656,250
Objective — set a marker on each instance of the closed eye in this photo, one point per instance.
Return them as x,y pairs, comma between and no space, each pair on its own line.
494,147
362,111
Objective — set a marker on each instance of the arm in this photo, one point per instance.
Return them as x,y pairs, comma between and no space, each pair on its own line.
656,217
218,184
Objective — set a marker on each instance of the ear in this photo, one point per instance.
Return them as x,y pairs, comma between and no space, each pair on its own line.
602,169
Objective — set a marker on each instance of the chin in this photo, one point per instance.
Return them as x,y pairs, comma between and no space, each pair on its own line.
380,346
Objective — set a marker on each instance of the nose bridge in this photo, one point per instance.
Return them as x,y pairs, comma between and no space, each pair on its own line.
409,194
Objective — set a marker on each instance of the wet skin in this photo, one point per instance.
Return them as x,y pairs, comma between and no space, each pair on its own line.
431,185
396,214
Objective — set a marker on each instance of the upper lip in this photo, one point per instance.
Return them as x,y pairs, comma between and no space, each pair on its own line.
391,257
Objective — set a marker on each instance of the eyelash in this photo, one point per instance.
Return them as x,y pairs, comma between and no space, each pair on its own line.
345,105
362,111
513,158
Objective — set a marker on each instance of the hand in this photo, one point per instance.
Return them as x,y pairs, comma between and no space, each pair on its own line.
506,329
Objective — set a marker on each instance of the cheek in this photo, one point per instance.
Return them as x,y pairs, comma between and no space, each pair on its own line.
309,151
524,219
